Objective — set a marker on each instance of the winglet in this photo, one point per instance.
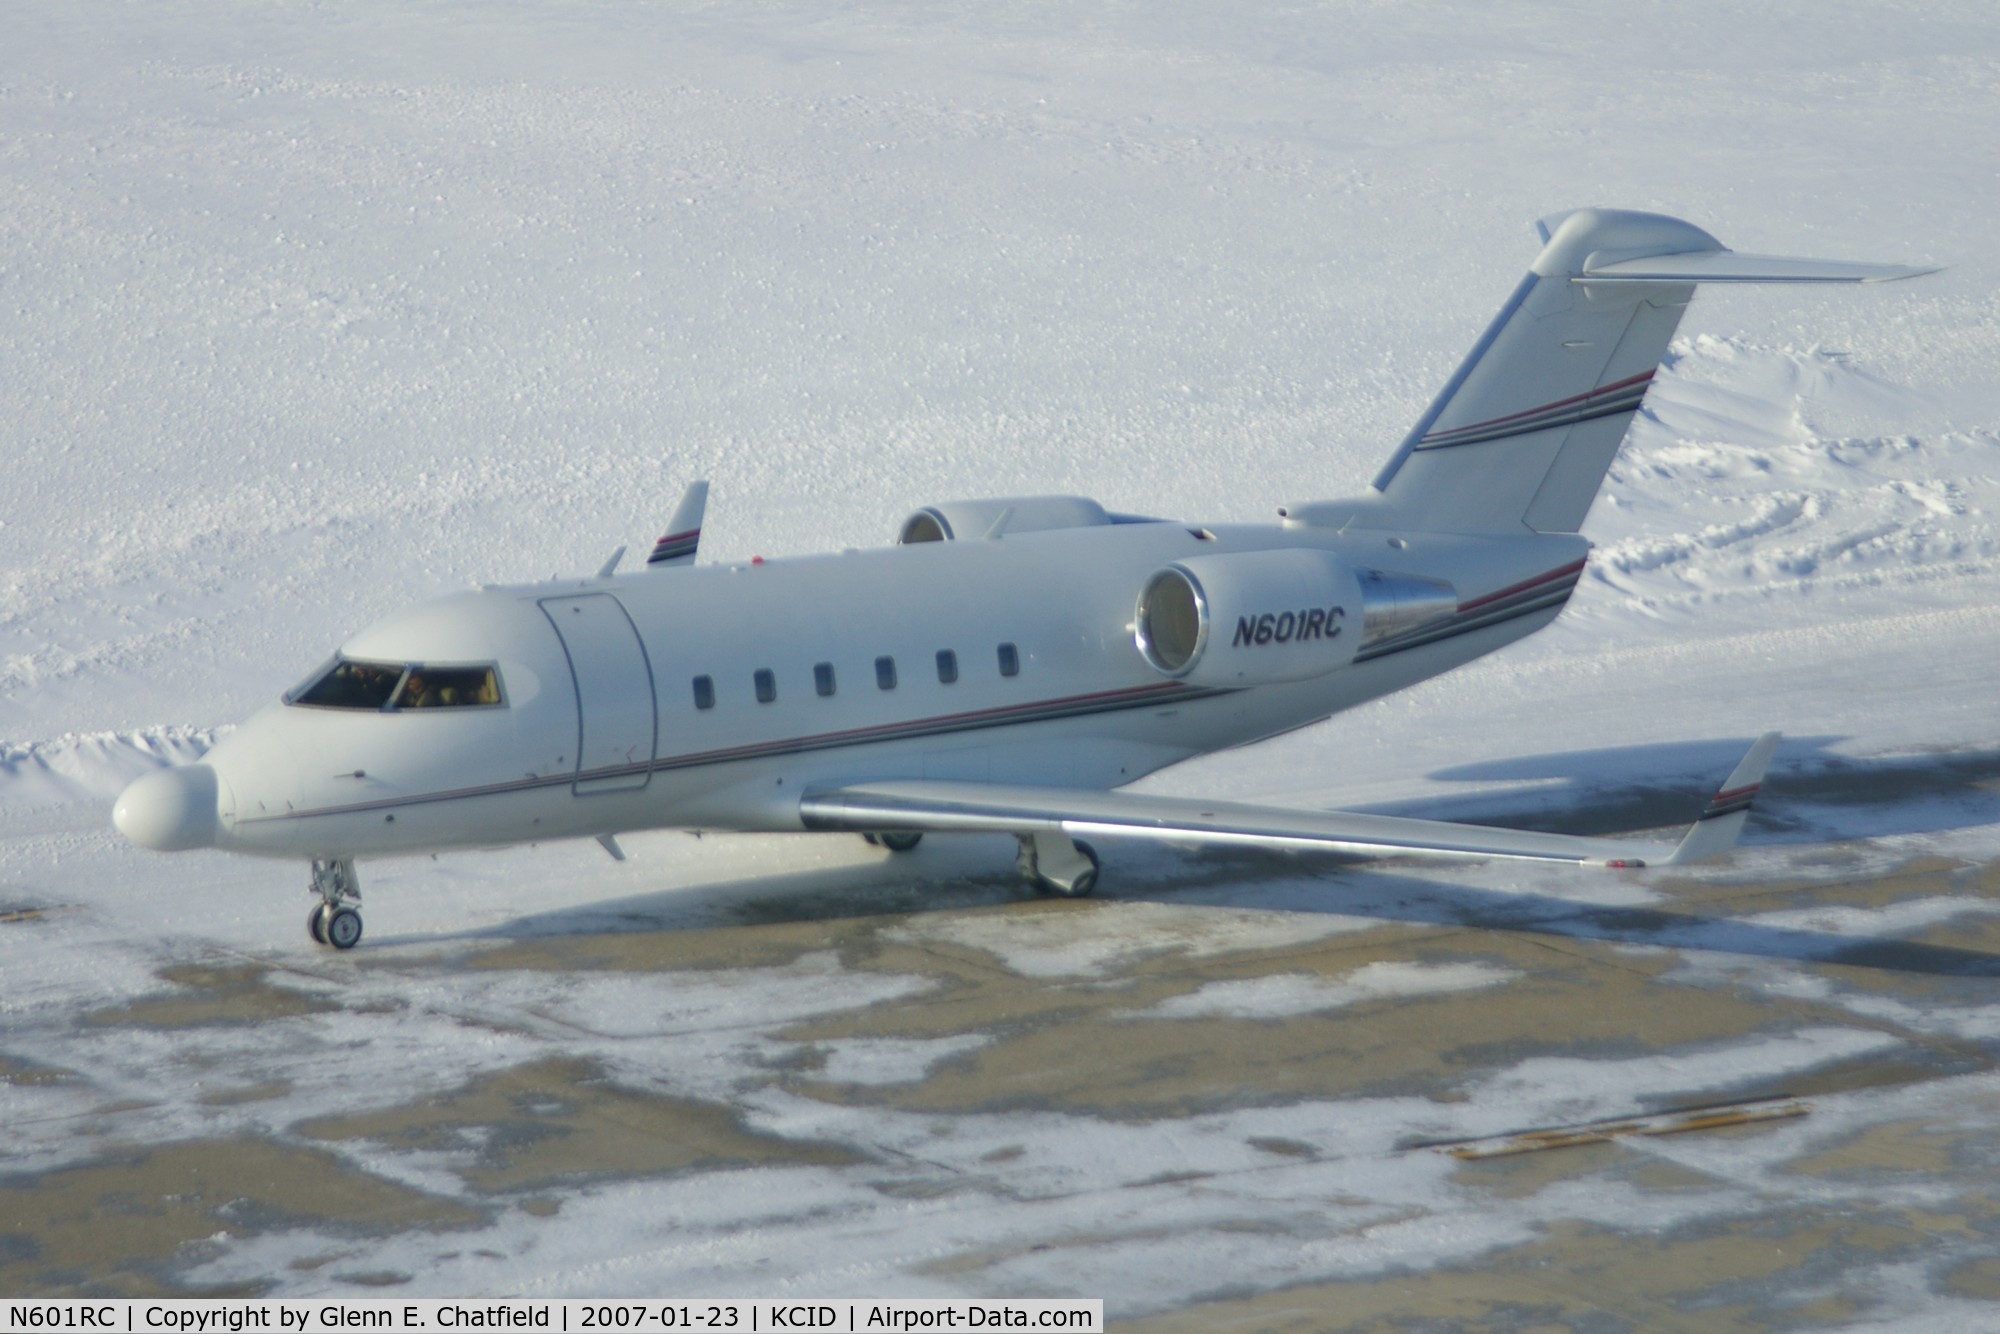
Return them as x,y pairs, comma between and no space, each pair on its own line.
683,533
1721,822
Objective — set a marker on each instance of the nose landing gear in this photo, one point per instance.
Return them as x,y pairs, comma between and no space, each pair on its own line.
335,920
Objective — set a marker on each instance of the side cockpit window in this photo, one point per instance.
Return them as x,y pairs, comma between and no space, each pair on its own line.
397,686
350,685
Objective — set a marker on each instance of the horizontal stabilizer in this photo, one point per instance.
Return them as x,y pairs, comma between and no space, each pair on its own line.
683,535
1726,266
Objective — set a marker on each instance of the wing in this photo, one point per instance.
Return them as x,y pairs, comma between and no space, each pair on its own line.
1002,808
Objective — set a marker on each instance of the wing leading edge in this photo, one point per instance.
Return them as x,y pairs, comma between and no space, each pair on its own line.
1001,808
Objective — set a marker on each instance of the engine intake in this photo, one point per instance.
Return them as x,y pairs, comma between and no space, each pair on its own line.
1253,618
1261,617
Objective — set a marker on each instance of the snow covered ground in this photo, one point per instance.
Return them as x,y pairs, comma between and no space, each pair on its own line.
306,313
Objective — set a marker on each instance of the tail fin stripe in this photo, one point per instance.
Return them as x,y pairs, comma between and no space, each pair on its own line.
1622,396
1626,383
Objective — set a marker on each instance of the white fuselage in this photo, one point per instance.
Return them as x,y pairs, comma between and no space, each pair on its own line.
599,728
1006,664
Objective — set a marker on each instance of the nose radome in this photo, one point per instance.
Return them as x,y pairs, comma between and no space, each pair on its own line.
170,810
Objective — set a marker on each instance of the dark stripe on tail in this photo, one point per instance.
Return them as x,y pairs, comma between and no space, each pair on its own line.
1622,396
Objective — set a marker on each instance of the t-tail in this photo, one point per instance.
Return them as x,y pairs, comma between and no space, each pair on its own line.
1522,435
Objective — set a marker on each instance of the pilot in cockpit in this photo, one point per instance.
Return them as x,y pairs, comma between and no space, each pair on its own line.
417,693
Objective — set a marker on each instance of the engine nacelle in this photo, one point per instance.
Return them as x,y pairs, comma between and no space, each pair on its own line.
1261,617
1253,618
970,520
1394,605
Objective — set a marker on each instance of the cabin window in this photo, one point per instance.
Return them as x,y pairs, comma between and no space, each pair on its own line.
448,688
704,692
767,685
885,673
947,666
823,677
1010,660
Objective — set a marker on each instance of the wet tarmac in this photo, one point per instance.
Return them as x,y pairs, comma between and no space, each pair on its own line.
1224,1096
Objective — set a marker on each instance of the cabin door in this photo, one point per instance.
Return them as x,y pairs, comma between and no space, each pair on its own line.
616,719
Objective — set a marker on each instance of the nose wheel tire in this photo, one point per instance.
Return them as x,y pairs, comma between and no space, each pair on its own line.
899,840
343,928
333,920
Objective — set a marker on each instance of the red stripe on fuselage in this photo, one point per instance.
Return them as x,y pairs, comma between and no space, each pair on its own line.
1052,710
1574,568
947,721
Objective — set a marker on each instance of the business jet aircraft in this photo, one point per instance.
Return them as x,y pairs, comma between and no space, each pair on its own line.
1009,665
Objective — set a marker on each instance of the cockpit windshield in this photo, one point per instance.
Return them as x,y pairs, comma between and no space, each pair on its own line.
395,686
350,685
447,688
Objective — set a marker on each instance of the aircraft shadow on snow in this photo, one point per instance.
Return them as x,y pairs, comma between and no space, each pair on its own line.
1896,795
1812,793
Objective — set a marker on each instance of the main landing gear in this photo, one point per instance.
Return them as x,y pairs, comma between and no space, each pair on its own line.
1057,864
336,918
896,840
1052,861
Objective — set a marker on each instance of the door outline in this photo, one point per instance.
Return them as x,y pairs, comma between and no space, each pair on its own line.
636,776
